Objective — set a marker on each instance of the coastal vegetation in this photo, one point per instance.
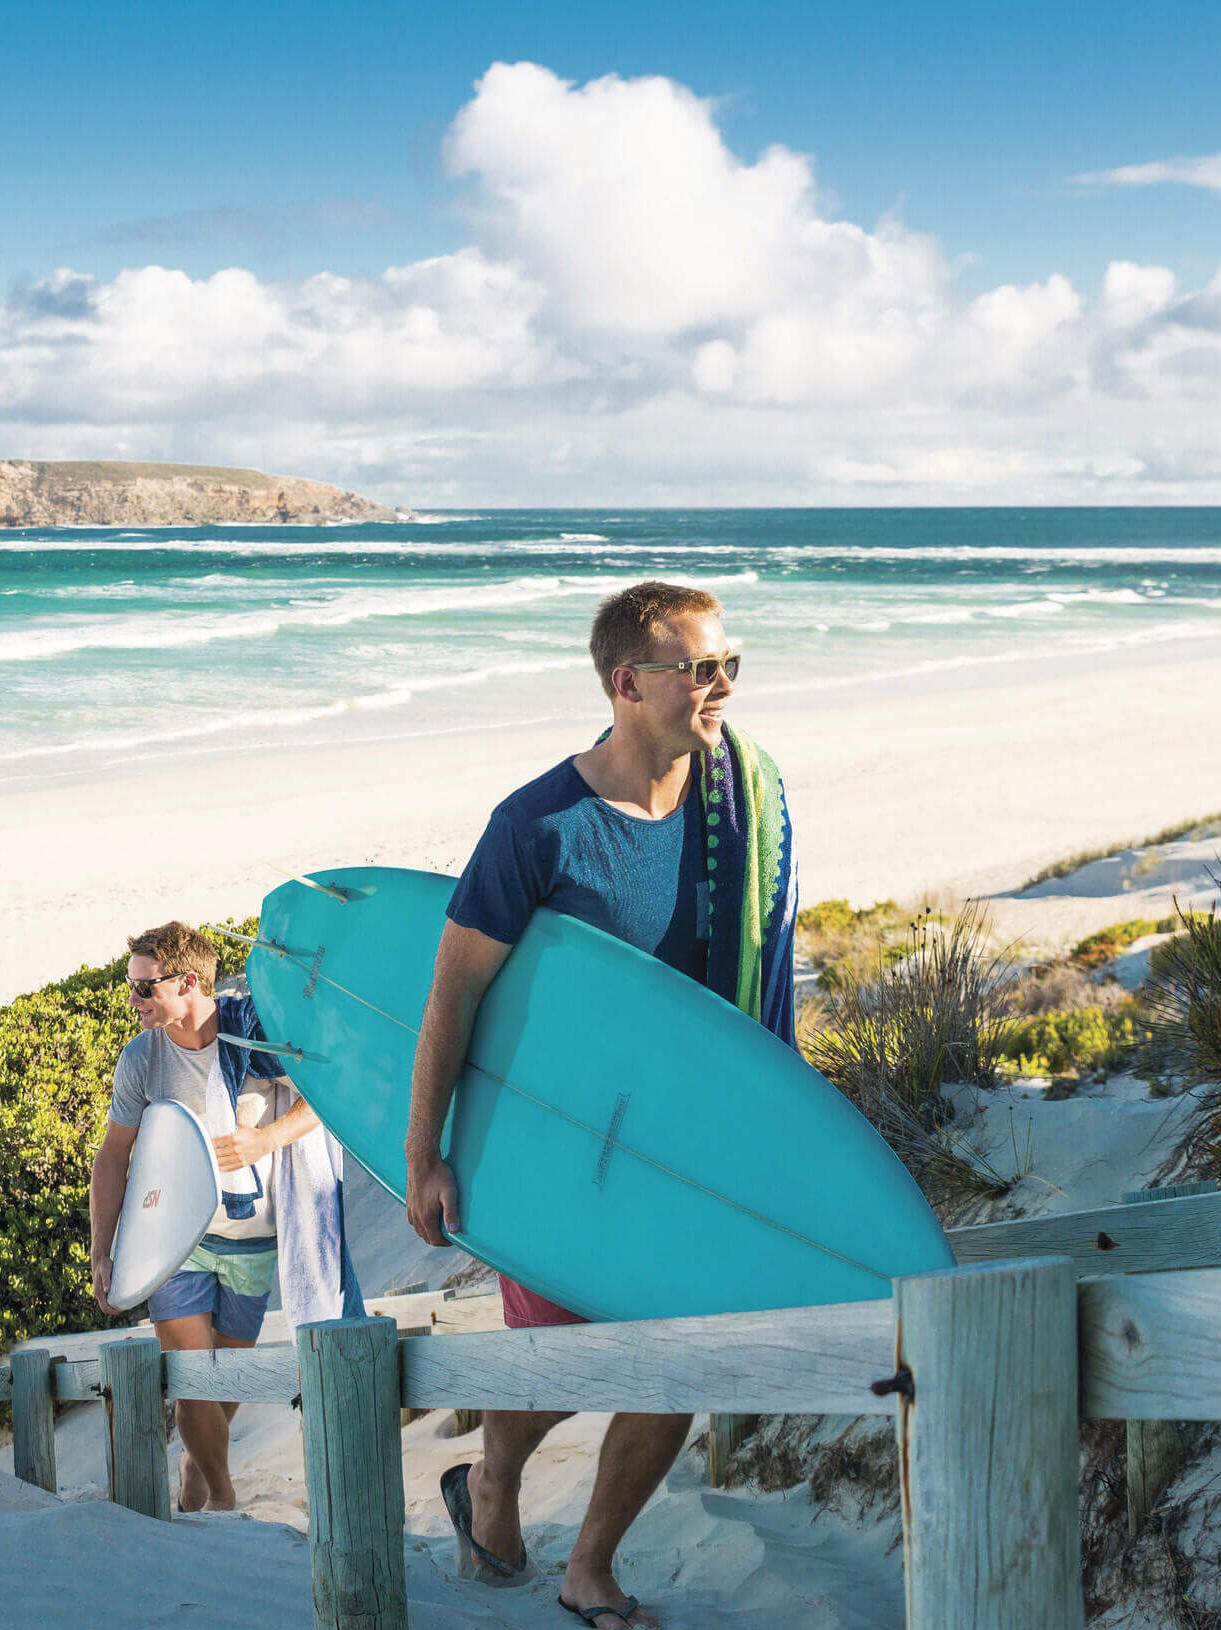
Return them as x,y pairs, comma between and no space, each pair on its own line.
841,943
1098,949
1204,826
907,1009
1181,1001
1071,1044
931,1014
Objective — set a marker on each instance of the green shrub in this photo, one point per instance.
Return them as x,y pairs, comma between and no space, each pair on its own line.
1074,1041
827,917
1098,949
58,1050
844,944
836,919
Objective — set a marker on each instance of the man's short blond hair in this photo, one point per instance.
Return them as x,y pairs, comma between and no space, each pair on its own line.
178,949
627,624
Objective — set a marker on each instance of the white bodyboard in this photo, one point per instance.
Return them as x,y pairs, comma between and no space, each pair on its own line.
173,1190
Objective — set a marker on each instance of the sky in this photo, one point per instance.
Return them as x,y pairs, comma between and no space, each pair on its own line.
540,254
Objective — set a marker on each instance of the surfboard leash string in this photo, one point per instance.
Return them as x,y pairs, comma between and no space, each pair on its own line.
573,1120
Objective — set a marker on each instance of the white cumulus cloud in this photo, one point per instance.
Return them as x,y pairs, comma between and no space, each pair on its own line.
623,199
1134,294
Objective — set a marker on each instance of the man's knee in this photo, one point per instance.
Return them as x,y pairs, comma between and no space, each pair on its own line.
190,1334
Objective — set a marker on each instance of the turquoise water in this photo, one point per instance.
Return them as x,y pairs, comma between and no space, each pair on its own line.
122,648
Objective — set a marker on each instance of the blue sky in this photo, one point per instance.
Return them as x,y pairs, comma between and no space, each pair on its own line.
293,140
967,120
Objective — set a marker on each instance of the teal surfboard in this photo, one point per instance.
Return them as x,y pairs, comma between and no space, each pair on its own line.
625,1143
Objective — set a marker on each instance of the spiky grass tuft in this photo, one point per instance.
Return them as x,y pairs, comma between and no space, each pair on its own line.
933,1017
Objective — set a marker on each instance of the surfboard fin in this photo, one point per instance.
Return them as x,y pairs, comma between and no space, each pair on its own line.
335,890
259,944
282,1049
232,934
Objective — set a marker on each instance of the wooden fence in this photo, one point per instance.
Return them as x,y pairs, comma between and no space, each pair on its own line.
987,1369
1151,1235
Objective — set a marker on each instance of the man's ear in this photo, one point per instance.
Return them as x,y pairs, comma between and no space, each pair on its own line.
623,678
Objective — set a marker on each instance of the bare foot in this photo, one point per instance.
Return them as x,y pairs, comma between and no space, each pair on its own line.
192,1490
585,1590
495,1522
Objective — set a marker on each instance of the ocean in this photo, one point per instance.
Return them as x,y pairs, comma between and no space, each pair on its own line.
127,649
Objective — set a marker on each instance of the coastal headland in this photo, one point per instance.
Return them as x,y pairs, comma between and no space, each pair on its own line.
106,492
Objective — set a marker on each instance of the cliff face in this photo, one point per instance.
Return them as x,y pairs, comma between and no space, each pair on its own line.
103,493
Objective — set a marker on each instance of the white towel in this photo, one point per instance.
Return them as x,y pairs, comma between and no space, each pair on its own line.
242,1187
316,1281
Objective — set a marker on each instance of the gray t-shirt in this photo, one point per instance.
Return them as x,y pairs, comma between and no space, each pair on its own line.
152,1067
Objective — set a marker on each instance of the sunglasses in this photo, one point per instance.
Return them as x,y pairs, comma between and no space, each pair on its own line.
703,670
143,988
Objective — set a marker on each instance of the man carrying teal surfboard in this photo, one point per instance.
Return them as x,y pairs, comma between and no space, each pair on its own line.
670,833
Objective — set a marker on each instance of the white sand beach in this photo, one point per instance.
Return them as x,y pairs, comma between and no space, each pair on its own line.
954,792
960,791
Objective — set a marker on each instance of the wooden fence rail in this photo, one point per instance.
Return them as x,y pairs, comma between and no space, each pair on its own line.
987,1367
1154,1236
1147,1351
1151,1237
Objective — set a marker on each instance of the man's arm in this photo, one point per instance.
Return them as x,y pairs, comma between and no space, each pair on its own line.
247,1145
467,962
107,1186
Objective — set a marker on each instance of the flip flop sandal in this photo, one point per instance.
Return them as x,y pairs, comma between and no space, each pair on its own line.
592,1614
473,1561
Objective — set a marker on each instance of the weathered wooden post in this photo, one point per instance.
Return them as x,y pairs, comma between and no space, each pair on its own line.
354,1473
130,1374
406,1416
988,1446
725,1434
1156,1452
34,1417
1156,1449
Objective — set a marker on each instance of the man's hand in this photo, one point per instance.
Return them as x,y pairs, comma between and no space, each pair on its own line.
107,1185
467,962
432,1194
243,1147
102,1269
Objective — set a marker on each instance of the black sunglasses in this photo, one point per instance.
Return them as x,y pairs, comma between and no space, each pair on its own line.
143,988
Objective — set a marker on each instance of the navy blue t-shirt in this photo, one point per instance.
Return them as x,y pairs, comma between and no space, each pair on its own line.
555,843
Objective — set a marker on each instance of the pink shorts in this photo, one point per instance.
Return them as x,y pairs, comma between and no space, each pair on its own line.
524,1310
